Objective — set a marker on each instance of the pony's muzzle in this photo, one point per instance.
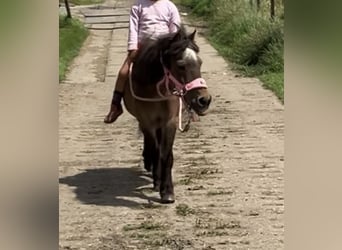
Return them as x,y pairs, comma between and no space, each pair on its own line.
204,101
201,104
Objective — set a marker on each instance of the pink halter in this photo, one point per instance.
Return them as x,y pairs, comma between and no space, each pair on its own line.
179,88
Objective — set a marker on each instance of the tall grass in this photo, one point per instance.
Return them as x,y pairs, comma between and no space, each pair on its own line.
248,38
72,34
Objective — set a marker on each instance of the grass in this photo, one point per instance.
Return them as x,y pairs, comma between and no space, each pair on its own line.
211,227
152,206
72,34
202,224
198,173
230,225
170,242
274,82
211,233
250,40
184,210
146,225
185,181
255,49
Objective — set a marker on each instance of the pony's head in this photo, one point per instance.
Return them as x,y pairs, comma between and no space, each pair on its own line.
174,58
180,58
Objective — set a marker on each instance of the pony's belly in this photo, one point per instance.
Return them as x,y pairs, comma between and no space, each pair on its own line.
156,114
151,113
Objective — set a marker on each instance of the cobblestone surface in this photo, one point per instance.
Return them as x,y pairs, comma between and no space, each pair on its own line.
228,169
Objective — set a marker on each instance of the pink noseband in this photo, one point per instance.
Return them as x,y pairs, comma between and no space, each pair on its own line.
180,89
197,83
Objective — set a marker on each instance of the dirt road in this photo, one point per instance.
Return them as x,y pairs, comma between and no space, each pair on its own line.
228,170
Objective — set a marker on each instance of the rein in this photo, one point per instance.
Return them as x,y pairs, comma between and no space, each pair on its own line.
179,90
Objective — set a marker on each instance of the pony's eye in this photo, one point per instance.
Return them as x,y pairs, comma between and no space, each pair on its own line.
181,67
181,64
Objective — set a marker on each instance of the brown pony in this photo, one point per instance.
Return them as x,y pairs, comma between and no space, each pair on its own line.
165,71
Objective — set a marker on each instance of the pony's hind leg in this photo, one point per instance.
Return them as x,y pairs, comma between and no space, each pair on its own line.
166,163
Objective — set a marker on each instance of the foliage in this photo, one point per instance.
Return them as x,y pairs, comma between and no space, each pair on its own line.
184,210
273,82
245,36
72,34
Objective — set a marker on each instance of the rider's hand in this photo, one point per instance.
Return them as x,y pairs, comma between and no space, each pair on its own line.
132,54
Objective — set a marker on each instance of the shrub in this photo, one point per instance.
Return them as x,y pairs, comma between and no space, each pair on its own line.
247,38
260,39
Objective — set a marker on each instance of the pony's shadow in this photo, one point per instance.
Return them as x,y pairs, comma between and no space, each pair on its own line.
110,186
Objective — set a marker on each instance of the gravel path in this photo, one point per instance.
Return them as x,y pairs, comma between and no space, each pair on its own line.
228,170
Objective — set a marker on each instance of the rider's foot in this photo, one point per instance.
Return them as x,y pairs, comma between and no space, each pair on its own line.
114,113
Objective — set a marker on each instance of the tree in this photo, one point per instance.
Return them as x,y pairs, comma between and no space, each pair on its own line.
258,5
67,8
272,9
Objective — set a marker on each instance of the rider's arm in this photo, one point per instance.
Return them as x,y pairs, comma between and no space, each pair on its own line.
175,20
133,28
131,55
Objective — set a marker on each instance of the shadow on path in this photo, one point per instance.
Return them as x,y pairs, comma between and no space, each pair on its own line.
110,186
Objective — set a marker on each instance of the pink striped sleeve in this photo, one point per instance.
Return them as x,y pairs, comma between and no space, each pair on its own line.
175,20
133,28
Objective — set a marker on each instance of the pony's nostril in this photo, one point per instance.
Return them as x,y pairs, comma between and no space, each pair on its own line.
203,101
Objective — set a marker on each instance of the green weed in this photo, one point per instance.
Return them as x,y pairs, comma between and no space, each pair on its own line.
274,82
146,225
185,181
184,210
72,34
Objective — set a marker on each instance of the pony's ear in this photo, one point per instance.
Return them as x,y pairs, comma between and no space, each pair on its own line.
177,36
192,35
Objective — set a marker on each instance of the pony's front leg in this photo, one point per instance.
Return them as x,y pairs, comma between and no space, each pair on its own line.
149,151
166,163
151,156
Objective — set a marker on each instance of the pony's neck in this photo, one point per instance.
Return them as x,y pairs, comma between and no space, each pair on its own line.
148,72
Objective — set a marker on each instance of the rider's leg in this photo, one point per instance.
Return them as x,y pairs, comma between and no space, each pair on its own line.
116,108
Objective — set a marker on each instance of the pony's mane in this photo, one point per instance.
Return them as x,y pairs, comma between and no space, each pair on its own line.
149,59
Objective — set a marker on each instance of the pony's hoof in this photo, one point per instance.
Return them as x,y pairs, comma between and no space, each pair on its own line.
167,198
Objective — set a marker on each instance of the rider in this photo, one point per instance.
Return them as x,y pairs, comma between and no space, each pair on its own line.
148,19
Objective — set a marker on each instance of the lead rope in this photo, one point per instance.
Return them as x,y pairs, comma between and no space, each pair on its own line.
187,125
163,98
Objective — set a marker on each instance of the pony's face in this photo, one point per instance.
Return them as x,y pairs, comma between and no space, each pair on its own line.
186,67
